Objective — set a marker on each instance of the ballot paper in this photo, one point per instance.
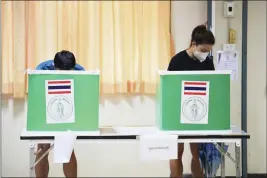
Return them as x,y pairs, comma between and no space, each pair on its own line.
158,147
228,60
63,146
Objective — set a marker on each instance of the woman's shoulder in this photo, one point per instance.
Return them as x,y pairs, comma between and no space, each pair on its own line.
176,62
180,55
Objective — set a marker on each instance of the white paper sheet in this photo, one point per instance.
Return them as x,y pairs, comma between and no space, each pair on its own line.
158,147
194,102
60,101
63,146
228,60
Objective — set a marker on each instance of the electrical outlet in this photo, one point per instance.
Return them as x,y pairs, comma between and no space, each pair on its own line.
229,9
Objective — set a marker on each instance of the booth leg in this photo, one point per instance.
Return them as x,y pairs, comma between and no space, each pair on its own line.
222,161
33,163
42,156
237,158
32,160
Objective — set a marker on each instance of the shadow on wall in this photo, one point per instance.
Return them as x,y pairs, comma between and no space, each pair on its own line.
13,106
18,105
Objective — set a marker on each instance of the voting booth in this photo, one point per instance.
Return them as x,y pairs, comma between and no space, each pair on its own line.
63,100
193,100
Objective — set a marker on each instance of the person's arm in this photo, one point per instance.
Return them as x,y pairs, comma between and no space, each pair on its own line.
210,65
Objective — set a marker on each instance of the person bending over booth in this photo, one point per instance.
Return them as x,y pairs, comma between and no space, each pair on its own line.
63,60
193,58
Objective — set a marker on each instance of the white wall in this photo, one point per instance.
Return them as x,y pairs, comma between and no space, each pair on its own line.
221,35
121,158
185,16
257,86
256,76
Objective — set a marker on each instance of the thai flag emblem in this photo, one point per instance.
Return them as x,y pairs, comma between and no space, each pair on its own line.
195,88
58,87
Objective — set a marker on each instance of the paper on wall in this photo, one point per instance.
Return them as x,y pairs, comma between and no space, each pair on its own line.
158,147
63,146
228,60
60,101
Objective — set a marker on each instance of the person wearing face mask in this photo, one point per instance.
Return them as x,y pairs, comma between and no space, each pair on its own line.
194,58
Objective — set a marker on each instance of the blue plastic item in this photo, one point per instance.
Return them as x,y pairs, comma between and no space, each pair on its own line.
210,158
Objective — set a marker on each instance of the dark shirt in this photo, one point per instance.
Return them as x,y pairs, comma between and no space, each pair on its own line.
183,62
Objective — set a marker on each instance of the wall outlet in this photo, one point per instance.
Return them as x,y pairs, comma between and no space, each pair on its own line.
229,9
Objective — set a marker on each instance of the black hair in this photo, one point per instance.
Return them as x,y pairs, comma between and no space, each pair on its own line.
201,35
64,60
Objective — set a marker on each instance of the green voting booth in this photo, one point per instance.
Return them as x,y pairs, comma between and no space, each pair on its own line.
193,100
63,100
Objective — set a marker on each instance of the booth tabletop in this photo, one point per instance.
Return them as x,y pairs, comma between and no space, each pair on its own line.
134,132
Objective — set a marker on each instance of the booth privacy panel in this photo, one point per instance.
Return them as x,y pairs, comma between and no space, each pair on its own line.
194,101
62,101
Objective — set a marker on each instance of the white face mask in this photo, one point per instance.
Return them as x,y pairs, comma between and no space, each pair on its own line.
201,56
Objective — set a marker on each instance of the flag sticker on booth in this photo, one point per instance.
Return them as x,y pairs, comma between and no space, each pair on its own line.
194,102
59,101
59,87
